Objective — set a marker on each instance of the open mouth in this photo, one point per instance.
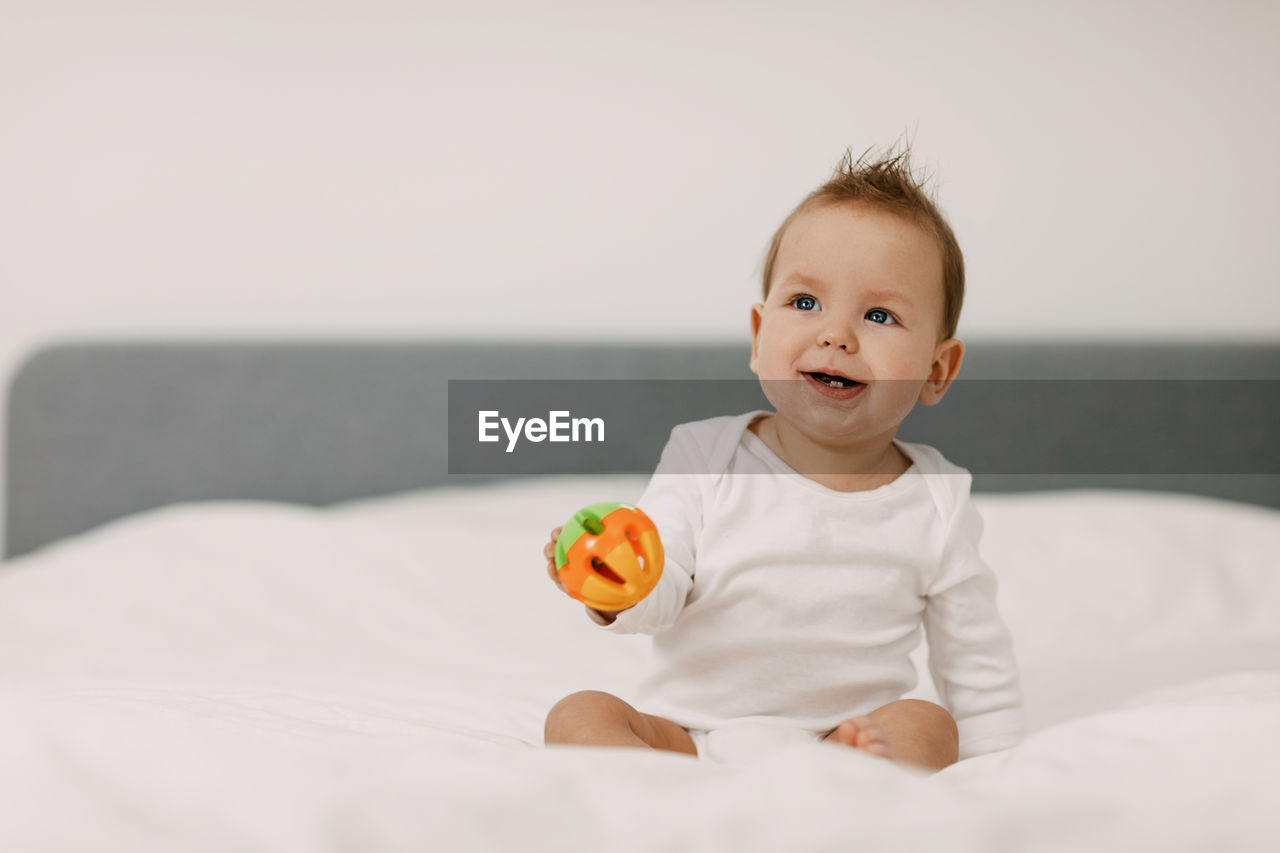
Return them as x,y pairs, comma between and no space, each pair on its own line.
833,381
840,388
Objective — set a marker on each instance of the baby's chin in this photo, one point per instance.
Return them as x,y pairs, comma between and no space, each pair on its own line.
832,426
827,428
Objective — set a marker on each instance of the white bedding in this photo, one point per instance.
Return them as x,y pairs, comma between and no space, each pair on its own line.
373,676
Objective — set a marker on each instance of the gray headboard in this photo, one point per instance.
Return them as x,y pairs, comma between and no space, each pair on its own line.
100,430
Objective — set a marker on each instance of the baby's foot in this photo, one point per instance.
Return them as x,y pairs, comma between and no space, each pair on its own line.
861,733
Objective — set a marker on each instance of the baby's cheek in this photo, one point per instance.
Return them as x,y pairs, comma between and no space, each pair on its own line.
780,393
899,395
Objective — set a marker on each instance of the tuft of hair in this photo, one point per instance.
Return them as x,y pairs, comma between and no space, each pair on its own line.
887,182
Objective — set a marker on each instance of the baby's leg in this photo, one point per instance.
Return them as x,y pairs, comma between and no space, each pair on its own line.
909,730
593,718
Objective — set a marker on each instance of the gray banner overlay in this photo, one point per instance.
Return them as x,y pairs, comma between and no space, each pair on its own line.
991,427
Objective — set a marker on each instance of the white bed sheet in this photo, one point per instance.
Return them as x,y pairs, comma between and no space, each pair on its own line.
374,675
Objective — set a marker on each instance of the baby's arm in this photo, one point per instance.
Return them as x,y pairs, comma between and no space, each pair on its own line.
673,501
971,653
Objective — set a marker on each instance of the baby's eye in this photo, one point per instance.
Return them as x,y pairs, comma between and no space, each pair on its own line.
879,315
796,300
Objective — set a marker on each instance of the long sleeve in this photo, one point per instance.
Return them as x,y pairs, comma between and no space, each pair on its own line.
674,501
971,654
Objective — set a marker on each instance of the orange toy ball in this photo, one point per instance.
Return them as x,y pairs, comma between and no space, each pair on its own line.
609,555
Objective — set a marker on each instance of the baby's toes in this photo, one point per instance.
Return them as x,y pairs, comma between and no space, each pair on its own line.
861,733
871,738
845,734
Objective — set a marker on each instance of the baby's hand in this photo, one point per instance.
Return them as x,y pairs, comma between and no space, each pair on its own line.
604,617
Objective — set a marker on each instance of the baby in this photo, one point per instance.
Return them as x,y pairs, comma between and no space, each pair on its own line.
791,599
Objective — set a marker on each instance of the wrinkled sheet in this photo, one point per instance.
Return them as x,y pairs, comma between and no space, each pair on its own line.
374,675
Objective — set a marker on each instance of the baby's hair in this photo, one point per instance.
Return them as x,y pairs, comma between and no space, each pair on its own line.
886,183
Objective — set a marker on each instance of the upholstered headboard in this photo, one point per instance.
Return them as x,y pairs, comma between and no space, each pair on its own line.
100,430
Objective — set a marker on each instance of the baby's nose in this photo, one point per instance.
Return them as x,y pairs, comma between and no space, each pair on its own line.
837,332
848,342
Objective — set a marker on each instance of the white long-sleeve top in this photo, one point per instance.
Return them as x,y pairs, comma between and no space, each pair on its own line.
784,601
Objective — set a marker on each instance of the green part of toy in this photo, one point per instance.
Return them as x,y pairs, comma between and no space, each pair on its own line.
585,520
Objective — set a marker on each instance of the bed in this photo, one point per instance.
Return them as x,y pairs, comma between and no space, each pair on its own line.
255,599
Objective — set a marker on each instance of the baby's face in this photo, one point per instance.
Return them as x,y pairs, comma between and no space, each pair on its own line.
857,292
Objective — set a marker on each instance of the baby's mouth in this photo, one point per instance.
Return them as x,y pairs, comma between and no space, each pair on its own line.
838,388
833,381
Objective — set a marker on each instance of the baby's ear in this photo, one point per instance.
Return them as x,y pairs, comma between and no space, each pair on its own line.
757,316
946,364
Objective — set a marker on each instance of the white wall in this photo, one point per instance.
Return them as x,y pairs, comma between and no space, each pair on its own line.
532,170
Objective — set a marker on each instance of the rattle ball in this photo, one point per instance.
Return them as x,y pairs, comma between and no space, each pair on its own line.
609,556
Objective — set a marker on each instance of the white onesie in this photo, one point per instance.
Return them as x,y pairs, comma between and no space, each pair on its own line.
784,604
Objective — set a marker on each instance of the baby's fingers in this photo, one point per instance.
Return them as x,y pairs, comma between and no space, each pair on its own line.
549,551
555,576
550,548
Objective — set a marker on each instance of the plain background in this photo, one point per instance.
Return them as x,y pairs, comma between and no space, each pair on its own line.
592,170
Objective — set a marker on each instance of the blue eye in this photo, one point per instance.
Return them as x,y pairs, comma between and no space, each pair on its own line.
796,299
879,315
